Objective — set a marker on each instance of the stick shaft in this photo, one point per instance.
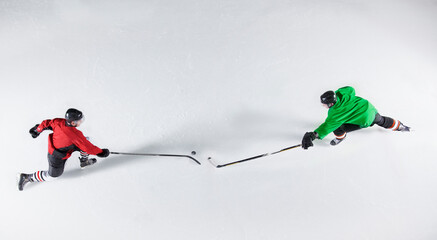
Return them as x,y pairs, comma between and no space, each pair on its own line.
157,155
258,156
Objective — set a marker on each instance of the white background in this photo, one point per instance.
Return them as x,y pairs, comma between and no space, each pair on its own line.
229,79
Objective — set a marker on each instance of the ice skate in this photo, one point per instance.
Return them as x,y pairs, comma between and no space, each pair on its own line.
23,179
336,141
403,128
85,161
338,138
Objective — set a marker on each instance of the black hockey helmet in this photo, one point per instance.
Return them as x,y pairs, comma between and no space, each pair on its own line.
73,115
328,98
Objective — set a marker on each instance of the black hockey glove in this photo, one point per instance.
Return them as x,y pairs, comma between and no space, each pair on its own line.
308,139
104,153
34,132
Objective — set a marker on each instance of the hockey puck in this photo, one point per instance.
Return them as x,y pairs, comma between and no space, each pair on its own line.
193,152
209,158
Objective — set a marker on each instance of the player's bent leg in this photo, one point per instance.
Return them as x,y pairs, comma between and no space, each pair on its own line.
38,176
341,132
340,135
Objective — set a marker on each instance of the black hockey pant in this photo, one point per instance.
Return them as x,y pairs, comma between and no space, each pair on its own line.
56,165
382,121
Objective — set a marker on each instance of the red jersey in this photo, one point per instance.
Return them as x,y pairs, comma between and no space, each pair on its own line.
66,139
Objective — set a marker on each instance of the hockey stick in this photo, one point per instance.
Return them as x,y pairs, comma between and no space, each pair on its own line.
252,158
157,155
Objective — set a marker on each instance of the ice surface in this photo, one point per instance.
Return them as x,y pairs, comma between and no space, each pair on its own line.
228,79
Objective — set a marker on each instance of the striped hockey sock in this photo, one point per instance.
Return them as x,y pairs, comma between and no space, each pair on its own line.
340,137
41,176
390,123
395,125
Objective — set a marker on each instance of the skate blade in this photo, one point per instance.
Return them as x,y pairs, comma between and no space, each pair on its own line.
17,180
87,166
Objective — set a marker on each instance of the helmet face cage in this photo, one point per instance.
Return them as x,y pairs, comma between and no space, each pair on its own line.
78,122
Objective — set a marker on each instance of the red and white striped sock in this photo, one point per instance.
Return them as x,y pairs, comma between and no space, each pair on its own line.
41,176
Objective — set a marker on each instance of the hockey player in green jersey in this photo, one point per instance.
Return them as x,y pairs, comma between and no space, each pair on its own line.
347,113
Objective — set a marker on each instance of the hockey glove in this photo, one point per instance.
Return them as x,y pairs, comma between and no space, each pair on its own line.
34,132
104,153
308,139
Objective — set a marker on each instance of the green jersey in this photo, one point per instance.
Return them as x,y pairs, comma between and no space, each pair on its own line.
349,109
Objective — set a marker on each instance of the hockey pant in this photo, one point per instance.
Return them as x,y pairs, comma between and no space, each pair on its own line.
382,121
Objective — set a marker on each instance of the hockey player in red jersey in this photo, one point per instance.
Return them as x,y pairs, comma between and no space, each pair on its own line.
64,140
